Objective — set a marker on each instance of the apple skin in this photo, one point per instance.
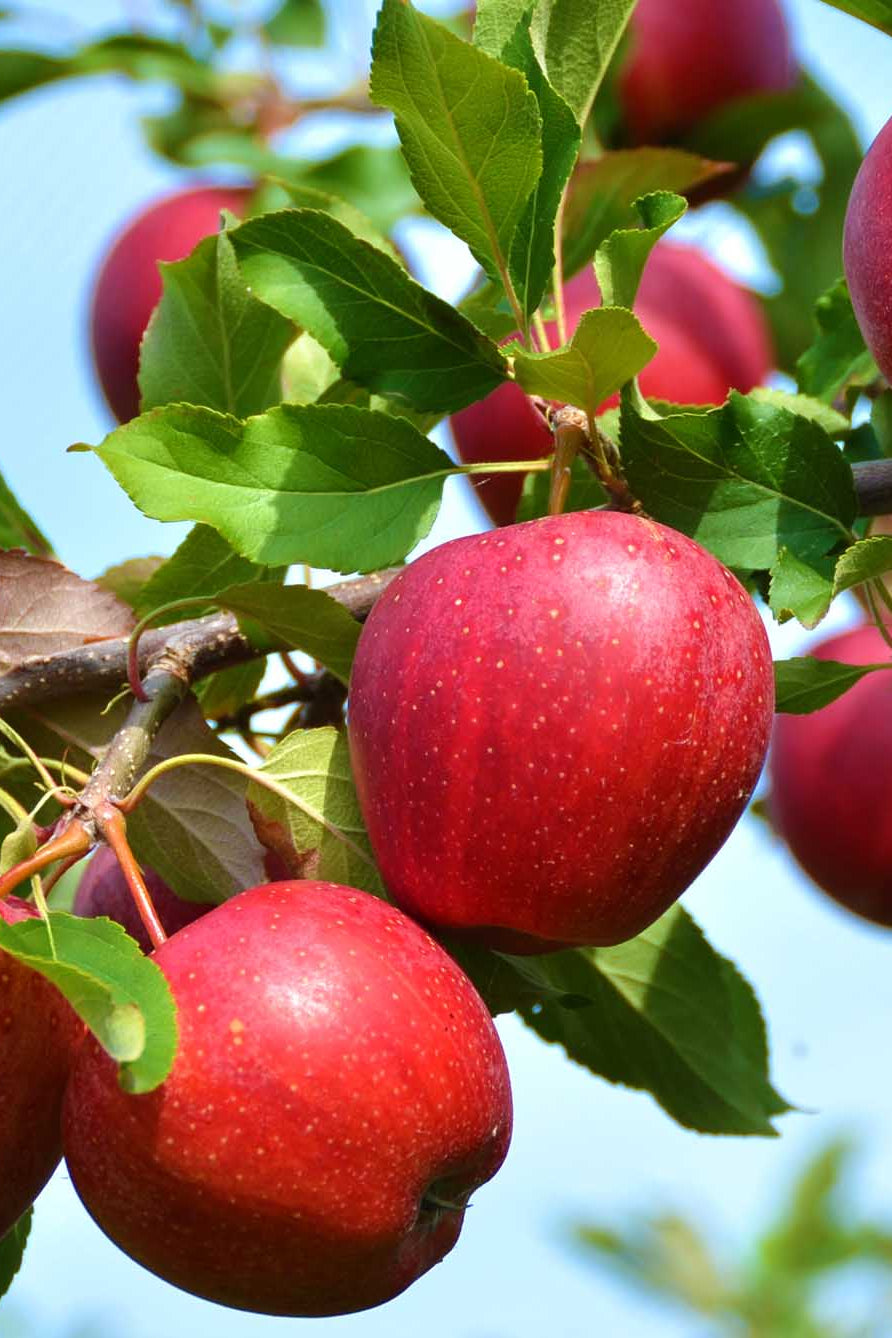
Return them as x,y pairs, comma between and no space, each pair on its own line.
39,1035
128,287
103,890
334,1066
866,241
712,337
555,726
831,798
688,58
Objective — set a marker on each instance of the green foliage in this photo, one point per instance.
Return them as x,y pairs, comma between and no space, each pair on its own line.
620,260
776,1287
293,617
204,564
804,684
664,1013
838,355
877,12
608,348
12,1250
120,994
17,529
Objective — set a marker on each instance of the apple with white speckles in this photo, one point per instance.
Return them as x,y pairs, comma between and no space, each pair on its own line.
39,1036
554,727
338,1092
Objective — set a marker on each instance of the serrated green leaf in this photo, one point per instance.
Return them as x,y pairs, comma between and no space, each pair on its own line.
866,560
575,41
295,617
322,834
602,192
224,693
119,993
745,480
378,324
297,23
608,349
307,372
837,355
801,590
469,126
17,529
331,486
210,341
620,260
803,684
876,12
531,260
12,1250
667,1015
204,564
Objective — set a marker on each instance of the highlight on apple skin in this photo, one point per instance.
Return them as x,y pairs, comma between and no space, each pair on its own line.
128,287
831,797
689,58
867,241
339,1091
39,1037
712,335
555,726
103,890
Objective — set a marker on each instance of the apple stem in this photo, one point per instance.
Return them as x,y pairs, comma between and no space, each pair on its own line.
113,827
72,841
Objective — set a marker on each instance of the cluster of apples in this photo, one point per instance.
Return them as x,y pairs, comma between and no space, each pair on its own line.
339,1088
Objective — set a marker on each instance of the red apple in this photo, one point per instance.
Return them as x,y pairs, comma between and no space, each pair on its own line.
866,244
103,890
686,304
129,284
688,58
831,797
39,1034
338,1092
555,726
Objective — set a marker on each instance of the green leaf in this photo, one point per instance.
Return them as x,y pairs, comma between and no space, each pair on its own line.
378,324
574,41
20,71
17,529
210,341
297,23
607,350
12,1250
224,693
668,1015
601,194
375,180
321,834
119,993
834,423
126,579
838,354
469,126
876,12
531,260
620,260
331,486
804,684
204,564
294,617
881,423
280,193
866,560
745,480
802,590
307,372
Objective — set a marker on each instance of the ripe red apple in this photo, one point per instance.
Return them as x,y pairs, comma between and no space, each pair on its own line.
688,58
338,1092
712,337
39,1034
555,726
129,285
103,890
866,243
831,796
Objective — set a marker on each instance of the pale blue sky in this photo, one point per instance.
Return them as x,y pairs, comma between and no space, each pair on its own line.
74,169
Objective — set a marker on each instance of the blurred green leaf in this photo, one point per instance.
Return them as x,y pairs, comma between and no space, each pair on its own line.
837,355
297,23
12,1250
